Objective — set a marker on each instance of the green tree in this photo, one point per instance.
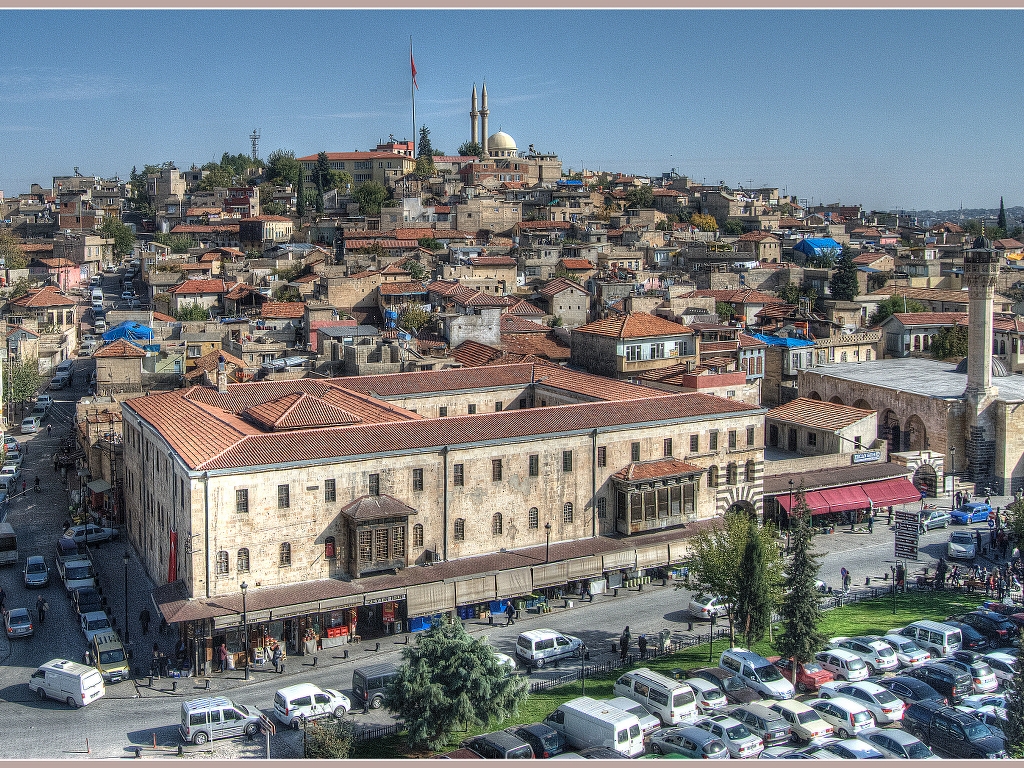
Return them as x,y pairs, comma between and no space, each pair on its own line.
843,285
328,739
287,293
950,342
973,227
193,311
825,259
732,227
1001,221
470,149
300,196
216,175
178,243
21,380
322,177
705,222
723,310
121,234
425,149
413,317
640,197
416,270
757,588
283,168
430,243
450,681
790,293
11,251
20,288
894,305
370,196
800,610
425,166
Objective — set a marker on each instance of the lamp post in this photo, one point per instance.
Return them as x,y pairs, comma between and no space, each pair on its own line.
789,514
952,474
711,639
126,637
583,668
547,542
893,568
245,630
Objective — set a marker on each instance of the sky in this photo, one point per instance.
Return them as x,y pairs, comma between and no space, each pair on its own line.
889,109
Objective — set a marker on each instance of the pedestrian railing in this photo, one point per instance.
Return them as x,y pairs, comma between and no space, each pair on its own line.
378,732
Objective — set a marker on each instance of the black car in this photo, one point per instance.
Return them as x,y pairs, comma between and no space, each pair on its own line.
85,599
731,684
998,630
500,746
971,639
951,682
909,689
600,753
546,741
955,733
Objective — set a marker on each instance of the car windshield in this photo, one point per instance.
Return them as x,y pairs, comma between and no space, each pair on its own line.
682,698
737,732
112,657
861,717
884,698
807,717
714,747
977,731
37,567
962,537
812,669
82,572
917,751
99,623
19,620
854,664
981,670
768,673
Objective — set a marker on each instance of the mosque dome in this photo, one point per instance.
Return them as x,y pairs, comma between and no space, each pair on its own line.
500,141
982,243
999,369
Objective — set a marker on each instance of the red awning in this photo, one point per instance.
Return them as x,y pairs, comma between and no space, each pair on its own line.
888,493
815,502
846,498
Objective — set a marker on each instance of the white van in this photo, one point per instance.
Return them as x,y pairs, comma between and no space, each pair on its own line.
585,722
67,681
76,574
671,700
306,701
757,673
844,664
217,717
935,637
8,545
97,295
537,647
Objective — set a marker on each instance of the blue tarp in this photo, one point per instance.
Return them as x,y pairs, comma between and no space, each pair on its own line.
817,246
130,330
779,341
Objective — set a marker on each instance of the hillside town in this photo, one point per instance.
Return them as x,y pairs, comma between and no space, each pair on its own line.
327,399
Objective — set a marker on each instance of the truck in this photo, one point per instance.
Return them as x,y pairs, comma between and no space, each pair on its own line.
956,733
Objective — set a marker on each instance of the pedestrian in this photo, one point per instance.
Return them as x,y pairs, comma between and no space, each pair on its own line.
871,523
87,658
49,429
846,578
992,534
179,651
154,667
222,655
24,485
510,615
3,596
641,643
890,516
624,643
41,606
278,658
144,620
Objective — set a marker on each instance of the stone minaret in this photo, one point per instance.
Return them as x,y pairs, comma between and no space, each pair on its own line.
474,113
484,112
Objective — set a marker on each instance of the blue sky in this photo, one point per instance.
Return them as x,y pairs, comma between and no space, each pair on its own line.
909,109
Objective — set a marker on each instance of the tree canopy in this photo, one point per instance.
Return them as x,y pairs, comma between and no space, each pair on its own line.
11,251
705,222
950,342
470,149
800,610
894,305
413,317
640,197
757,587
328,739
178,243
425,148
371,196
732,227
21,380
843,285
450,681
283,168
121,234
193,311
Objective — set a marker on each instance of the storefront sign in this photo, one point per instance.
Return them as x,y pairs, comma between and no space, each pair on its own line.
387,613
385,599
866,456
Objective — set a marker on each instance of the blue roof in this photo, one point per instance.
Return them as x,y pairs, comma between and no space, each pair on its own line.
130,330
780,341
816,245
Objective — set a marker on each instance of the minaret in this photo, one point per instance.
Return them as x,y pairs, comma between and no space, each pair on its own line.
474,113
981,268
484,112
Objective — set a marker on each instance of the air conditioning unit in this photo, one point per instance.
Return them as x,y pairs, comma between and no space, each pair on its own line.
433,556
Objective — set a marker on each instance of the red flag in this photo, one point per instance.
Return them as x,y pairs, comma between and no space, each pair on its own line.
172,558
412,64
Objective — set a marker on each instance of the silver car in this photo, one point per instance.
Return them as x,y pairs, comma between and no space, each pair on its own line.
691,742
740,742
37,572
934,518
18,623
896,743
908,653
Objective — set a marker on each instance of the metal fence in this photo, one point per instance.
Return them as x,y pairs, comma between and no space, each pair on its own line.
378,732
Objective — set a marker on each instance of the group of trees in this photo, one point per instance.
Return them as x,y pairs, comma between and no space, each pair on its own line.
11,251
843,285
893,305
950,342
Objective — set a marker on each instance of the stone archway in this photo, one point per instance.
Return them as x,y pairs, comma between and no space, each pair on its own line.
926,480
742,505
814,396
915,435
863,404
889,429
837,400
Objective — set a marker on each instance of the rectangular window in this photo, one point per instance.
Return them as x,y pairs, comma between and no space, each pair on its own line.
714,441
497,406
750,436
522,403
812,438
694,443
283,499
381,543
495,470
330,491
417,479
534,465
442,411
602,457
668,446
567,461
472,407
657,351
634,352
398,541
242,500
366,546
732,439
374,484
634,452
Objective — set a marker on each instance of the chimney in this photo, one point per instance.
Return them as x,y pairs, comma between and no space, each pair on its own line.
222,376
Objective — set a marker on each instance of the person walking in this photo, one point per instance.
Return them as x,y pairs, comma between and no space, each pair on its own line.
154,667
41,607
641,643
87,658
24,485
144,620
510,615
278,658
846,578
3,597
624,641
222,656
871,523
49,429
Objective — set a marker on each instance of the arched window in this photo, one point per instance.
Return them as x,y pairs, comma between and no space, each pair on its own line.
286,554
330,547
602,508
496,524
1013,344
995,346
731,473
748,474
460,530
713,477
534,518
567,513
222,562
243,560
417,535
1002,346
927,342
917,343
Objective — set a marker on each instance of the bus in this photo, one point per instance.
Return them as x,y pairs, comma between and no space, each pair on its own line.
8,545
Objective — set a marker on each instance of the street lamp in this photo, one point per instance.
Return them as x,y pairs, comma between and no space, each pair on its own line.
952,474
547,543
711,639
789,514
245,630
126,637
893,569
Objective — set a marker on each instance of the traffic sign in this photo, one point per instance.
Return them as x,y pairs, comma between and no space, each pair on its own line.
908,532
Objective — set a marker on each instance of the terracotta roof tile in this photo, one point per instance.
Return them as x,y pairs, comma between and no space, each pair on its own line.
511,323
290,310
492,261
119,348
47,296
522,308
576,264
817,413
749,342
373,507
298,411
654,470
756,236
199,287
636,325
740,296
164,318
910,319
473,353
209,362
545,346
559,284
401,289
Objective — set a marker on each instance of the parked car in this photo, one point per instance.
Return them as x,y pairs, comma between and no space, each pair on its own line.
805,724
843,664
93,623
971,512
127,296
305,701
731,684
17,623
11,473
809,676
30,425
737,738
90,533
982,675
996,628
765,723
853,749
37,572
934,518
1003,665
910,689
692,742
961,546
499,745
984,700
908,653
952,683
86,600
898,744
873,651
546,742
994,717
46,400
955,733
703,608
707,695
648,723
885,706
970,638
847,716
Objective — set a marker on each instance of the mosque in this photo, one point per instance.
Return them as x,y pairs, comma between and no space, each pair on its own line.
496,145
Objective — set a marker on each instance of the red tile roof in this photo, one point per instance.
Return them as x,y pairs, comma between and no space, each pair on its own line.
1010,323
516,324
401,288
817,413
522,308
375,507
204,229
756,236
749,342
576,264
298,411
209,362
199,287
719,346
164,318
910,319
286,310
473,353
492,261
394,269
120,348
739,296
47,296
545,346
559,284
654,470
636,325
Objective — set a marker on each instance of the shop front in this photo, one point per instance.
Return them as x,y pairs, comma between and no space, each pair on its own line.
382,614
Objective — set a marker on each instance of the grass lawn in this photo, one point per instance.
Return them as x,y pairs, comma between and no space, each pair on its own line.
869,617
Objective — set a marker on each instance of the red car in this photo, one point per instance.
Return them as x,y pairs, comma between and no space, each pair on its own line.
809,676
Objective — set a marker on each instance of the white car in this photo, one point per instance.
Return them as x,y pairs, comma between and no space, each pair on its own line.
11,472
847,716
738,739
94,623
45,400
886,707
1002,664
648,723
703,609
873,651
91,533
127,296
908,653
805,724
708,696
977,700
962,545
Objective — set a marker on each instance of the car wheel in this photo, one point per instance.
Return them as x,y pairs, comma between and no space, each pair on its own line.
540,663
871,669
945,524
843,733
42,694
200,738
72,703
251,730
656,749
802,687
340,712
376,702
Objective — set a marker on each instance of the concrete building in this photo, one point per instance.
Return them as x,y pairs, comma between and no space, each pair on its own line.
628,345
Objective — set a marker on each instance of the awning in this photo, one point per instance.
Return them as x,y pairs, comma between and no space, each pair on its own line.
815,502
472,591
300,609
888,493
428,599
846,498
677,551
652,556
346,601
99,486
550,575
625,558
584,567
514,583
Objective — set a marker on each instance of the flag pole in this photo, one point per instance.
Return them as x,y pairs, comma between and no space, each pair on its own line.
412,90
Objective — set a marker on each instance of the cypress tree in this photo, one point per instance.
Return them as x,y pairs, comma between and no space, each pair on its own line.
801,611
843,285
1001,223
755,593
300,195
